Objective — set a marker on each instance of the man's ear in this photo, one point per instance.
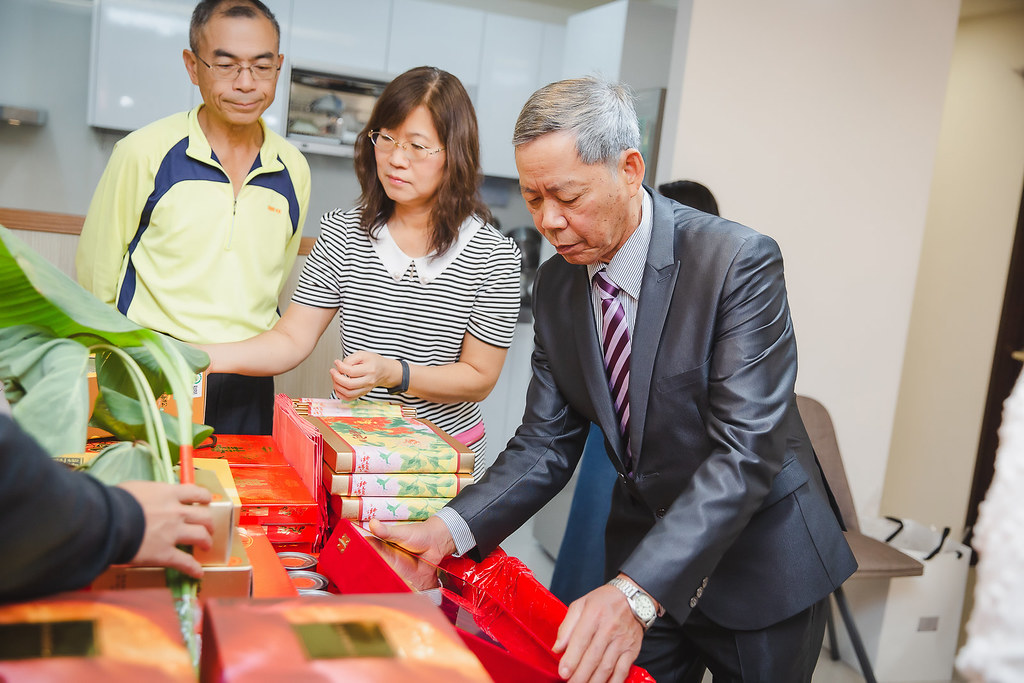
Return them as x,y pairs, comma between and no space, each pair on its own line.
632,167
191,65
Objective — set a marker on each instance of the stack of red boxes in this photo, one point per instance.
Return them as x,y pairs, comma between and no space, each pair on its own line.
271,492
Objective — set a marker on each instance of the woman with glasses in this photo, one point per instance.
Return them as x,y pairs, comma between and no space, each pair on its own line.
427,290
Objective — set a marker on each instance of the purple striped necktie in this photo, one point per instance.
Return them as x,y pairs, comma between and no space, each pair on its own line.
615,340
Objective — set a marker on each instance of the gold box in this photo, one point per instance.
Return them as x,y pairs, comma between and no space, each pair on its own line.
230,580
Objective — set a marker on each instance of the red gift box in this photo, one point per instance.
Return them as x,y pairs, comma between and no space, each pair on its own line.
94,636
290,533
243,449
269,577
354,638
502,611
273,495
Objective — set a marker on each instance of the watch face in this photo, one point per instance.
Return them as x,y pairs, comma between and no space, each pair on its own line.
644,607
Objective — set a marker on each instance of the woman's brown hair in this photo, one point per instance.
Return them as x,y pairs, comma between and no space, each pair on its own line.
453,116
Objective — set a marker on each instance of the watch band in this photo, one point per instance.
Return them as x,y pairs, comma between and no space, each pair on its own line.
404,386
640,603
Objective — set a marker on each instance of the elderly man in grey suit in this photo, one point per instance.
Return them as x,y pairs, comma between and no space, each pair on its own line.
670,329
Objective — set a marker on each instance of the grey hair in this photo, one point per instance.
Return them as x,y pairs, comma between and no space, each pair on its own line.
600,114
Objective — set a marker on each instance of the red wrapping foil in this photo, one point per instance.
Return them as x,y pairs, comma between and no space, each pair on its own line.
506,616
513,607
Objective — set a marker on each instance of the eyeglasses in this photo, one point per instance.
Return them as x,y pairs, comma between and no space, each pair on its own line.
229,71
386,144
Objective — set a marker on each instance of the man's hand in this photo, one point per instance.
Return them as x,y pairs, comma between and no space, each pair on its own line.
599,638
429,538
172,520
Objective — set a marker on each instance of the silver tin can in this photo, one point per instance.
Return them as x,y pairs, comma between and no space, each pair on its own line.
293,561
305,580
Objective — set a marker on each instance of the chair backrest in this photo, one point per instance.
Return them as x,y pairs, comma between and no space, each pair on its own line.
819,427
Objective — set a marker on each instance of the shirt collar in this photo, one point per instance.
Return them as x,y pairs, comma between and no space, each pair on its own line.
626,268
199,147
428,267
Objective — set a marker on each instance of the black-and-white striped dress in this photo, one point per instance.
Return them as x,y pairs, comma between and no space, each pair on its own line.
415,309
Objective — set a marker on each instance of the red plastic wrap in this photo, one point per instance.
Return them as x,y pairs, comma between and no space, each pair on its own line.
506,616
513,607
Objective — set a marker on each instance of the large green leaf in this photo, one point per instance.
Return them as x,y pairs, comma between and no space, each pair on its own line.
45,379
122,416
125,461
35,293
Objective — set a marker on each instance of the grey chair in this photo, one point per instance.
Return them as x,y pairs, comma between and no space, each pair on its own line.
875,559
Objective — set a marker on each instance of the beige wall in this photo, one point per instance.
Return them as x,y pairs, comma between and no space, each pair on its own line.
818,123
972,215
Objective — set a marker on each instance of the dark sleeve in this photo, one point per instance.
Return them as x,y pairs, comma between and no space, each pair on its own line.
59,529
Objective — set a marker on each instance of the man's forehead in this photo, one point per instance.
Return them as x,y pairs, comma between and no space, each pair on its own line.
551,185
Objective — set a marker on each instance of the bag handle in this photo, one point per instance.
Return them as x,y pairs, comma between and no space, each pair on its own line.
934,552
942,540
899,528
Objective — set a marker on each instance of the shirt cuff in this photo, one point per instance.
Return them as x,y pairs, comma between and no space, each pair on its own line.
457,527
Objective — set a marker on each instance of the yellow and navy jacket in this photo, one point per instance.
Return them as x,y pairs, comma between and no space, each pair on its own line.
168,243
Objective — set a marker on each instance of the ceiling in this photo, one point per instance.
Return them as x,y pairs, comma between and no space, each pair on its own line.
968,8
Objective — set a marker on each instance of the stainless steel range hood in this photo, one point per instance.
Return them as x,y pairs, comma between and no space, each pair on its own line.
21,116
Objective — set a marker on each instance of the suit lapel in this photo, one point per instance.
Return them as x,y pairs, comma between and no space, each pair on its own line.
592,361
652,309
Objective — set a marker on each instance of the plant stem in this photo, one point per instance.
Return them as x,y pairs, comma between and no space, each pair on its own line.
150,415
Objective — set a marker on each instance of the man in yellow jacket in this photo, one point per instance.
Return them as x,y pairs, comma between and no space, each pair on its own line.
197,219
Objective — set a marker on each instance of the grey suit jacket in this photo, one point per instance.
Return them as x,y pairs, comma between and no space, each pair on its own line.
728,508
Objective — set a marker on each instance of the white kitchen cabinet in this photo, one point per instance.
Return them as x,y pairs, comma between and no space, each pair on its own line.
554,54
509,73
341,36
137,74
434,34
594,41
624,40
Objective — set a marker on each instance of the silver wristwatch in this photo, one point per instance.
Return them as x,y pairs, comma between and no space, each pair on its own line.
640,602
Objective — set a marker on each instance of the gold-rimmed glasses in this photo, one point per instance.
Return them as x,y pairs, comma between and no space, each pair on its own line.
387,144
229,71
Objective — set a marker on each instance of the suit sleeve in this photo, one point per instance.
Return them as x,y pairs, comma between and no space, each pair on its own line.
61,528
537,463
111,222
750,383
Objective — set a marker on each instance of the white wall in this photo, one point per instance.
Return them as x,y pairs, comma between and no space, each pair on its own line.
972,216
817,123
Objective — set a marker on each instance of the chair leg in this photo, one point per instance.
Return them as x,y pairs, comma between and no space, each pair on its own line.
851,630
833,644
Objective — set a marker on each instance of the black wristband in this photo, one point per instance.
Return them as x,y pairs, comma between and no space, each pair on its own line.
404,386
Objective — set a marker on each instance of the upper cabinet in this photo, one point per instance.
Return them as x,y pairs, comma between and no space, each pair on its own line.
623,40
510,69
434,34
137,74
346,35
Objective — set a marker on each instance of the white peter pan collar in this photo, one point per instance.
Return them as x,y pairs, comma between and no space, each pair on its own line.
428,268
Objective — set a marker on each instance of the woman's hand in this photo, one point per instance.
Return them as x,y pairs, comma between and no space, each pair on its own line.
361,371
